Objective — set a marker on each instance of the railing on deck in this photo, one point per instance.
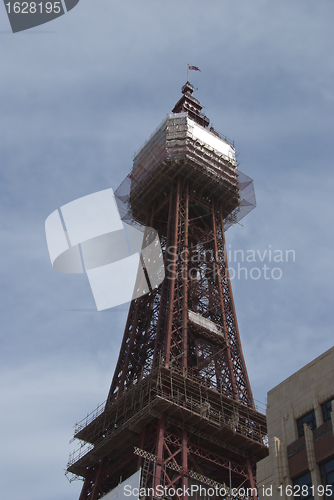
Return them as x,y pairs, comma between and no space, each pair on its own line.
238,417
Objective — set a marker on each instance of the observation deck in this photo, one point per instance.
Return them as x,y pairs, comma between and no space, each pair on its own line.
182,147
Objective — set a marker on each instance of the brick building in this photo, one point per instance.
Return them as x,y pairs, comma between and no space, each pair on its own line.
300,421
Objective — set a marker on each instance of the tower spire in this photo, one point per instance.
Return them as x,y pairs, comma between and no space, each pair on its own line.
189,104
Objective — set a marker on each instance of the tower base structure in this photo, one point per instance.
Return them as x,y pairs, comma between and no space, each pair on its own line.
182,434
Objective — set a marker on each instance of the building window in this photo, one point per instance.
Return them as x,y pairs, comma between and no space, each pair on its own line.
326,410
327,477
305,490
308,419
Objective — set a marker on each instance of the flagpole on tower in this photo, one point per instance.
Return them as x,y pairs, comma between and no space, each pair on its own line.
188,72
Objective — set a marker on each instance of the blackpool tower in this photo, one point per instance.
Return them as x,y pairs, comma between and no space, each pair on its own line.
180,408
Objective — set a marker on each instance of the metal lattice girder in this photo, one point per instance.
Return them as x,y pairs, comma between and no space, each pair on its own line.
145,454
158,323
207,455
218,460
193,474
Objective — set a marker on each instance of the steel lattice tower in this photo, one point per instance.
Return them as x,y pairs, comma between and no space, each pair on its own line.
180,404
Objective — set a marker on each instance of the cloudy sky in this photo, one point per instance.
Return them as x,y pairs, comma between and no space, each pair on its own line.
78,97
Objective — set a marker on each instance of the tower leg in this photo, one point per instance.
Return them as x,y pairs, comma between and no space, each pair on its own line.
95,490
159,451
185,462
251,478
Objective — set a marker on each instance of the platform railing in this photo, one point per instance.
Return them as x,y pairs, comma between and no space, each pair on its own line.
159,386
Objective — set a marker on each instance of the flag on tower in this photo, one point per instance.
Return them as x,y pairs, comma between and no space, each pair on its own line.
194,68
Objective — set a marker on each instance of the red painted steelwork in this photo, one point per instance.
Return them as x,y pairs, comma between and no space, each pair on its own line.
180,393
